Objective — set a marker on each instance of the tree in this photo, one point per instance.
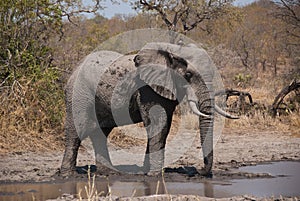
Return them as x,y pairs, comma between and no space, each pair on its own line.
30,88
78,41
26,27
289,12
184,15
257,41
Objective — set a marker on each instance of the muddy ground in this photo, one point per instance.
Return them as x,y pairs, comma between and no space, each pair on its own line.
232,150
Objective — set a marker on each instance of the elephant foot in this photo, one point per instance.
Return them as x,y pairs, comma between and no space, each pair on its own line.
186,170
154,174
65,173
205,173
151,173
106,171
76,171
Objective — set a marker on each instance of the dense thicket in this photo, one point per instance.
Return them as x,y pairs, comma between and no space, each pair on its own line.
31,88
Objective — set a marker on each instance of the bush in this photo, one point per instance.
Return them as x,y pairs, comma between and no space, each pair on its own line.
242,80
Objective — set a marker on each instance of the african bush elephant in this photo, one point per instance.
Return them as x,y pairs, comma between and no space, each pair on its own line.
138,88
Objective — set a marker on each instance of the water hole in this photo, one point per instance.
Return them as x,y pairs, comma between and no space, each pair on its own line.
286,182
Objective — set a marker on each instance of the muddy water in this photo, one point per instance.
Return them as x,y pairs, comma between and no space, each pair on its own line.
286,182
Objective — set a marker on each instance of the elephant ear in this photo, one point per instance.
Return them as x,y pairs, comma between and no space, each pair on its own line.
154,68
197,59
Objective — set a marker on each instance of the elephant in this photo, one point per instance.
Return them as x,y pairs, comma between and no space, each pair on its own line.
112,90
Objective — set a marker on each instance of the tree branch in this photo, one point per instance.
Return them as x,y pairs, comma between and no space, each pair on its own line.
160,11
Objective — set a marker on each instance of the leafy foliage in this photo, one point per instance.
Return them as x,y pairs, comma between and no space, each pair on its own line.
30,84
26,60
242,80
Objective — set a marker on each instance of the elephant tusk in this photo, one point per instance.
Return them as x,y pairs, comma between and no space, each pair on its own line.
196,111
225,114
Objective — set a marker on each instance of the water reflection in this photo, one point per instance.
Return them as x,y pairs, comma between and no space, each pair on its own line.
286,183
43,191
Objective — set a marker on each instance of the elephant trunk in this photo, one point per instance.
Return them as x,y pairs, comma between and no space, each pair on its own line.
204,109
206,137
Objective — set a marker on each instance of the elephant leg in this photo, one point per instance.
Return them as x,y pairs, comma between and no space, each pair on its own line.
157,121
99,140
72,144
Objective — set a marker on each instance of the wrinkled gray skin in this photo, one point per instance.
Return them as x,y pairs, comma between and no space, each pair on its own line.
190,65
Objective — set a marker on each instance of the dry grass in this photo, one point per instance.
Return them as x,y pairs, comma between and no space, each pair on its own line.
29,141
258,121
294,128
127,136
264,87
91,192
27,121
259,116
26,128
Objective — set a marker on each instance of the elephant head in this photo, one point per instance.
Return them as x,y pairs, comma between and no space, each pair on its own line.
173,72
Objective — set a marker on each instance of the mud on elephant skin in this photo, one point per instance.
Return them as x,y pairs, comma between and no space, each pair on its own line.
108,90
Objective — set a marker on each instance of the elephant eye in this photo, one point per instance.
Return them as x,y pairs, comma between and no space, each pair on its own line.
188,75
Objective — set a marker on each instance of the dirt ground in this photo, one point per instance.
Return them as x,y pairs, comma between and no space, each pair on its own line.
233,149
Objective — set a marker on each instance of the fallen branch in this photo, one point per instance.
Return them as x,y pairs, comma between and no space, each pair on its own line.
241,103
293,86
232,92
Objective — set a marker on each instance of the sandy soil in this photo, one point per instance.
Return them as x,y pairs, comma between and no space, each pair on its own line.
232,150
